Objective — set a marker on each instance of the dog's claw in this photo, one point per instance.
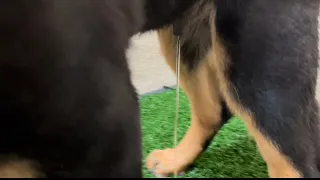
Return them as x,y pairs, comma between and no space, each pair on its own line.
157,175
156,164
165,163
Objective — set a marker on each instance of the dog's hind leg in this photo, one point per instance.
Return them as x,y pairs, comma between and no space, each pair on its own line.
266,64
207,113
278,119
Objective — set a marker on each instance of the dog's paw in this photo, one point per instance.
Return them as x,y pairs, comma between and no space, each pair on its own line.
163,163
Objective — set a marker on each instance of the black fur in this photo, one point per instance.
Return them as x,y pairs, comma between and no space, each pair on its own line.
162,13
66,96
273,47
67,101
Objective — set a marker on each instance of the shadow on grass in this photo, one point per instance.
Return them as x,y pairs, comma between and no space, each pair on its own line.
237,160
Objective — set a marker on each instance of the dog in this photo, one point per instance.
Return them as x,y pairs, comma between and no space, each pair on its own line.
69,109
256,59
68,106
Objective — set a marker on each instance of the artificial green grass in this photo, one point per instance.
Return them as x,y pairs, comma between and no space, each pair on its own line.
232,153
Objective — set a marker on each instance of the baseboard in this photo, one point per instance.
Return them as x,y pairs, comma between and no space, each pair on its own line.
163,89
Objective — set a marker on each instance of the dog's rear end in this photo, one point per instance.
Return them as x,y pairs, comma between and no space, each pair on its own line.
67,104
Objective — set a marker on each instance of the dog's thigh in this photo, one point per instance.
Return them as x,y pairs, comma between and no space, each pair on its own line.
267,76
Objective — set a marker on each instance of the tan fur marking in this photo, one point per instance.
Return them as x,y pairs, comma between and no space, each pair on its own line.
279,166
18,168
205,112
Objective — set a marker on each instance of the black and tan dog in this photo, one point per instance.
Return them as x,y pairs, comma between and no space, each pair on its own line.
68,108
258,59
